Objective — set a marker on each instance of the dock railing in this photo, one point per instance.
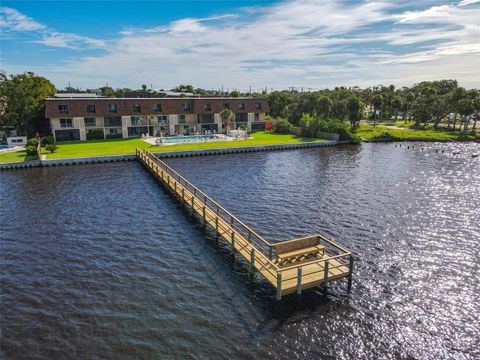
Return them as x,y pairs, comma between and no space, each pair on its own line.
336,262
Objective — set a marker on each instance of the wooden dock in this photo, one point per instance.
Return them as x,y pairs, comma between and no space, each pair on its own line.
290,266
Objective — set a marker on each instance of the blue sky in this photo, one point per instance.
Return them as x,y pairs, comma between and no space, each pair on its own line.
238,44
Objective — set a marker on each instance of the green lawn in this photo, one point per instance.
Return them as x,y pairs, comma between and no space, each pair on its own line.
128,146
16,156
368,132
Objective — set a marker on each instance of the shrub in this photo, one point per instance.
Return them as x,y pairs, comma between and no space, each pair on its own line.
95,134
31,149
281,126
114,136
51,147
48,140
32,142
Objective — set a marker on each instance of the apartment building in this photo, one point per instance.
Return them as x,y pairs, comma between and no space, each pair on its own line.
104,118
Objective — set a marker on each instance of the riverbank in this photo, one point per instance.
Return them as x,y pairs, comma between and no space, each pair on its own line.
164,154
67,150
383,132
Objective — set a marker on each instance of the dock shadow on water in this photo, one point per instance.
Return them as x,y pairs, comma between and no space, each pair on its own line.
98,261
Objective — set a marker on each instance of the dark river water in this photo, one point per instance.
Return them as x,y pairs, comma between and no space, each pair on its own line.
99,262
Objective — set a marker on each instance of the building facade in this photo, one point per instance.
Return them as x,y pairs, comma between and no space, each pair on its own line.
104,118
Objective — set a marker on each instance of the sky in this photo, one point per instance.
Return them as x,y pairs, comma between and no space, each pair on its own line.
242,44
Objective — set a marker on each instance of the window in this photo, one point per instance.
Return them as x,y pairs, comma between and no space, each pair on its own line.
241,117
257,117
90,108
66,123
258,105
137,108
90,121
63,108
157,107
163,119
181,119
112,107
241,106
114,131
205,118
226,106
135,120
186,106
207,107
113,121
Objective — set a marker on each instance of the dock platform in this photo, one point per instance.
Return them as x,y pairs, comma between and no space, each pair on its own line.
289,266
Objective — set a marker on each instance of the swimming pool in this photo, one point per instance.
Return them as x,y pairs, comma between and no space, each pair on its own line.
192,138
7,147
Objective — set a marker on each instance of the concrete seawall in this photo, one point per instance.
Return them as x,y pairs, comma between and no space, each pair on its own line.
164,154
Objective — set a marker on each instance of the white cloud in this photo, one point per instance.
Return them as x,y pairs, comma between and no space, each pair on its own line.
70,41
11,19
297,43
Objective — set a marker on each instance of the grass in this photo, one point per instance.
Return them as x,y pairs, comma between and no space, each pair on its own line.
17,156
128,146
369,132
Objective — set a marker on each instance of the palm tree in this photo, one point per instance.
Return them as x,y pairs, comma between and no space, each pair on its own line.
377,103
408,100
225,115
396,104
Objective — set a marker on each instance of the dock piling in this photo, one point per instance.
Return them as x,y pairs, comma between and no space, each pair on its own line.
279,286
299,280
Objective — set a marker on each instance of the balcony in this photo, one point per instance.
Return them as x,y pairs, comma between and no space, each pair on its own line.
113,121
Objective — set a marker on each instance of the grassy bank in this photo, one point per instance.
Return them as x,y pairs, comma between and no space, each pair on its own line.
17,156
128,146
369,132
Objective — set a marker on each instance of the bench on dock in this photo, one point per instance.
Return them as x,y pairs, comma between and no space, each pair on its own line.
298,249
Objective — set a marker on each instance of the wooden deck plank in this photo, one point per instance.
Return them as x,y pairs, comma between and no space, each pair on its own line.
312,270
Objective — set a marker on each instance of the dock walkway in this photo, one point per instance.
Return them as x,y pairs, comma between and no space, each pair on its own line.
331,264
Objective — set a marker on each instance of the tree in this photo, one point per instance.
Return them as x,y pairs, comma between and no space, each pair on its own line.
377,103
396,104
476,107
324,105
409,98
354,106
465,108
278,102
23,96
235,93
225,115
455,96
144,87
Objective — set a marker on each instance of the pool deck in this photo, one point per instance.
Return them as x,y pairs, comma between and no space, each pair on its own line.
327,261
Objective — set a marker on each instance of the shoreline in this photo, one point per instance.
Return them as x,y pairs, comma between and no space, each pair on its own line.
166,154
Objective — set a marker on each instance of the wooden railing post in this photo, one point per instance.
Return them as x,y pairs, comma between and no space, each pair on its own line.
279,286
252,260
299,280
233,241
350,270
325,275
204,218
216,226
193,205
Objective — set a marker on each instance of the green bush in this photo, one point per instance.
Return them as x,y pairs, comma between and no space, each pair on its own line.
32,142
48,140
95,134
114,136
51,147
31,149
281,126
